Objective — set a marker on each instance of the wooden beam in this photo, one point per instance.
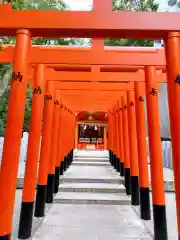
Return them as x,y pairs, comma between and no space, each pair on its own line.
94,86
85,56
55,23
125,77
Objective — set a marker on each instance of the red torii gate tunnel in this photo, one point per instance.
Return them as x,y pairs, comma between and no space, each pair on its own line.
125,109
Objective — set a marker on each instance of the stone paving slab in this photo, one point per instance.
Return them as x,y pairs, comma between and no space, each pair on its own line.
92,187
94,180
92,198
91,222
17,207
171,216
91,172
168,184
91,153
170,213
86,175
93,164
91,160
105,159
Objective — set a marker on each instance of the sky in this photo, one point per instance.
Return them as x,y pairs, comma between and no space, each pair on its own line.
85,5
79,4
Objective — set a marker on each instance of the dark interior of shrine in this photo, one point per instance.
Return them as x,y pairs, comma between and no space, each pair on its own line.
89,133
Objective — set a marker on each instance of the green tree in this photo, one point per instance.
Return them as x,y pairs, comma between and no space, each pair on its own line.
27,110
134,6
3,110
6,69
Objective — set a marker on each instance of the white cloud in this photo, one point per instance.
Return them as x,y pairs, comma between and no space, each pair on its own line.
79,4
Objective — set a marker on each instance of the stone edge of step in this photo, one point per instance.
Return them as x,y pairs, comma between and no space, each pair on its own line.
92,190
90,160
96,164
91,180
168,184
92,201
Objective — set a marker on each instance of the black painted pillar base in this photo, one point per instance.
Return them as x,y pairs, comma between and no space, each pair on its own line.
71,155
50,188
117,164
61,168
160,224
135,191
127,181
40,201
5,237
65,164
26,218
110,157
68,161
145,203
114,161
56,179
71,159
121,165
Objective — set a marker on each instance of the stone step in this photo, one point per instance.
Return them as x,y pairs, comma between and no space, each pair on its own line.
168,185
92,187
91,159
92,198
91,156
92,180
91,163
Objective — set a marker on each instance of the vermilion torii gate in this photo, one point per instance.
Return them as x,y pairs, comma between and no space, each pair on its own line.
25,228
86,56
92,86
101,22
50,174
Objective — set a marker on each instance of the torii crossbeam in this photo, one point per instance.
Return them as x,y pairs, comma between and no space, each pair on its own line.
83,55
100,22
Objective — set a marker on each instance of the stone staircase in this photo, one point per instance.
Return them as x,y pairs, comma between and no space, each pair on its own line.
91,180
89,160
91,204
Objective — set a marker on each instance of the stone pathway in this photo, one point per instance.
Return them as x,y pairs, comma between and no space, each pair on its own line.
88,207
91,204
171,217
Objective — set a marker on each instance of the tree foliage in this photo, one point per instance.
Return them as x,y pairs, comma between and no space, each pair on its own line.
134,6
5,69
3,110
